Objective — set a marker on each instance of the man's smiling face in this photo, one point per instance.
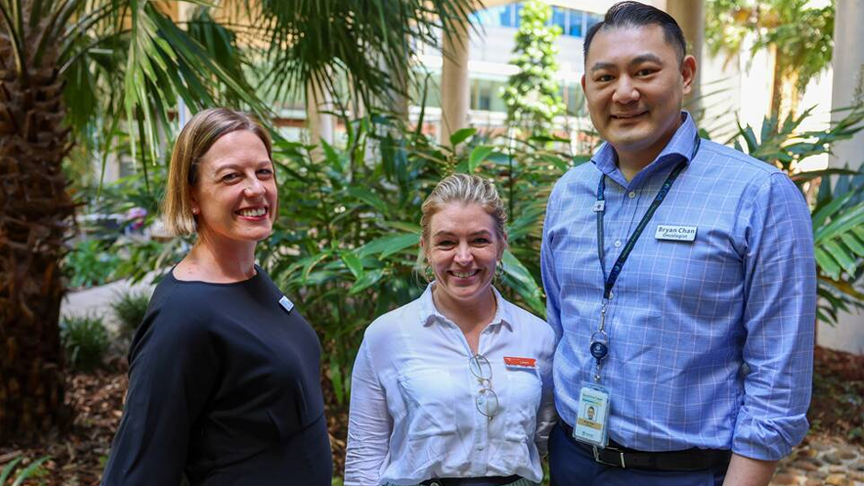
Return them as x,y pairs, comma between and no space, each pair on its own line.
634,84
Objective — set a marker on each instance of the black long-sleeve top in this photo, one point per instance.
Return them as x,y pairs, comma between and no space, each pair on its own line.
224,386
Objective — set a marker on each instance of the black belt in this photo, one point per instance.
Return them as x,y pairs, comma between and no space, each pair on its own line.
687,460
490,481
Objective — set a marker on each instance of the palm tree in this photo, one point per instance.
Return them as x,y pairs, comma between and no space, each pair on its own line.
798,35
83,71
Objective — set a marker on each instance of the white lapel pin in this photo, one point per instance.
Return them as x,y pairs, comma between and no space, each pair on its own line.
286,304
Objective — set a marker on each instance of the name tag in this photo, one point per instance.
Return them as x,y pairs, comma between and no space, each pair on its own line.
515,362
286,304
675,233
592,417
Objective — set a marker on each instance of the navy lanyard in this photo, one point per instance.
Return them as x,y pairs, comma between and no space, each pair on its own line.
631,242
599,340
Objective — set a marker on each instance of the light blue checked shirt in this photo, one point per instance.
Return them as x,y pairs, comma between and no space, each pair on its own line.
686,316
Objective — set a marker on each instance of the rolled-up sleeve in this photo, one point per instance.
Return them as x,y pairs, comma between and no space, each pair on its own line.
369,423
779,319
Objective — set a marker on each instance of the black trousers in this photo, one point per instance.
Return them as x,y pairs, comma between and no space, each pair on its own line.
571,465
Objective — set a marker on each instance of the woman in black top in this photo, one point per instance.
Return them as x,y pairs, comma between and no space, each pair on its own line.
224,372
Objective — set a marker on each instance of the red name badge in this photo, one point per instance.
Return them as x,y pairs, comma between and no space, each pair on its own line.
520,362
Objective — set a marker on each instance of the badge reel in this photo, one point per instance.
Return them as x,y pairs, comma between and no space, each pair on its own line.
593,414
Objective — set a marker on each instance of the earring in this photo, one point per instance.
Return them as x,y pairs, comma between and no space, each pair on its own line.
195,211
428,273
499,270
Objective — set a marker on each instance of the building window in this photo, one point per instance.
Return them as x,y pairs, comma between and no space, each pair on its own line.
507,16
559,17
591,19
574,27
574,23
502,16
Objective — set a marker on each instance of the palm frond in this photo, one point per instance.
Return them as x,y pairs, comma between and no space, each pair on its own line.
16,36
375,41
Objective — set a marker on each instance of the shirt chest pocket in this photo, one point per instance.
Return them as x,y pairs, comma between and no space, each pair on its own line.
521,404
430,402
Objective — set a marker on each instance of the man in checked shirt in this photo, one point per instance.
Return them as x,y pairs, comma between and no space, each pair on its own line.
689,327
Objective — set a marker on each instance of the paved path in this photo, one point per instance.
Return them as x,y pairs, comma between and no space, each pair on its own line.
96,301
822,461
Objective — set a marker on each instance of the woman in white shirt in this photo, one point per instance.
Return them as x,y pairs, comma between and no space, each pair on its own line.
454,388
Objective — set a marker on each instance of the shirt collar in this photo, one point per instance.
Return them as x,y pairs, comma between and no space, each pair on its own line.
429,313
680,146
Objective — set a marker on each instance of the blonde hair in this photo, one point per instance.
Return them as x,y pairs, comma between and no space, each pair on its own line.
196,138
465,189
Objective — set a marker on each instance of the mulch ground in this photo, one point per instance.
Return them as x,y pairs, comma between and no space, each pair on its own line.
79,455
837,404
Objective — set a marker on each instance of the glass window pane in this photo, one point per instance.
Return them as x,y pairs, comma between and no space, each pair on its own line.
591,19
559,17
575,27
496,101
490,17
506,16
484,95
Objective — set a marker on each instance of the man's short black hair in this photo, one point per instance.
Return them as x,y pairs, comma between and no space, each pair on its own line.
635,14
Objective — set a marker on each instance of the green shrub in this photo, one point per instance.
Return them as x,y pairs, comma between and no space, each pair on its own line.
32,471
90,263
346,243
838,209
85,341
129,309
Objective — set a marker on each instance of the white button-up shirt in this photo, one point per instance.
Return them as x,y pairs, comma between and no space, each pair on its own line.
413,409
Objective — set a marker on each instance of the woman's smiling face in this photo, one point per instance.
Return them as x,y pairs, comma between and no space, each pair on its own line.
462,250
235,196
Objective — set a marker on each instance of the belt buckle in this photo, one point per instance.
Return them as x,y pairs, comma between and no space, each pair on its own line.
597,459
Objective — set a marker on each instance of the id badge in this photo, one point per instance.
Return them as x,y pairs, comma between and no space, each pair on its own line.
593,416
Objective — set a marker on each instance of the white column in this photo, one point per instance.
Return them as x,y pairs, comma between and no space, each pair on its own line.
184,14
848,66
322,126
455,95
691,17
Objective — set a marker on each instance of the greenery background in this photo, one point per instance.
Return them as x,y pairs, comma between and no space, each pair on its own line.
346,240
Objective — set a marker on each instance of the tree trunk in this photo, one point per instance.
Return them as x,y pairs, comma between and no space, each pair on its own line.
776,85
791,95
784,89
36,220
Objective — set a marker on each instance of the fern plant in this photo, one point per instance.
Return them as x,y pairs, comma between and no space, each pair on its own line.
838,234
32,471
838,209
85,340
129,308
